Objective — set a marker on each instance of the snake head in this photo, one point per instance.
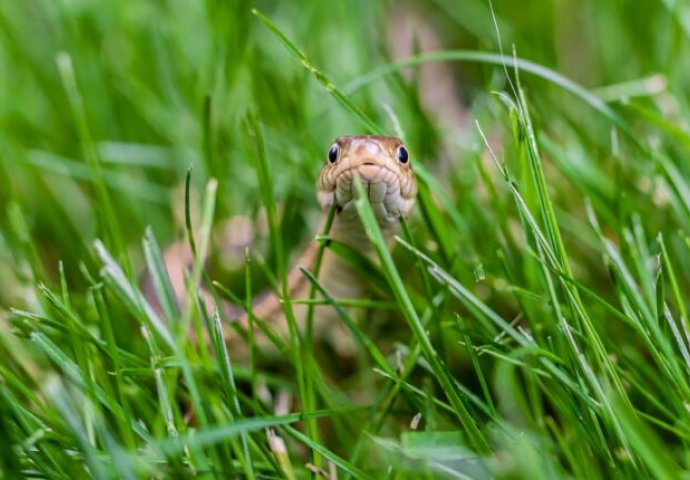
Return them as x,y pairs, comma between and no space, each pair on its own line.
383,166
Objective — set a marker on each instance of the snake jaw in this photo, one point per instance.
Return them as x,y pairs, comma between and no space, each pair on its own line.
389,184
384,189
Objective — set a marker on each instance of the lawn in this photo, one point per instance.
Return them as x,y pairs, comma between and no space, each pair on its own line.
531,321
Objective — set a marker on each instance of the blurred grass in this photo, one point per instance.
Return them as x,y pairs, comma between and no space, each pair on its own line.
541,328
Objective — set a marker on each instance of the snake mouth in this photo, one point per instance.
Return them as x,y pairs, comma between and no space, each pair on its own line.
382,186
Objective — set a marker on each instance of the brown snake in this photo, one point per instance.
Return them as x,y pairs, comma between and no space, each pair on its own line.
383,165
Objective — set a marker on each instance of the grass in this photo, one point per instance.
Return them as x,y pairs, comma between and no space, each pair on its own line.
530,323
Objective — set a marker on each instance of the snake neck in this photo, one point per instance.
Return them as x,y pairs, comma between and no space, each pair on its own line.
338,276
351,232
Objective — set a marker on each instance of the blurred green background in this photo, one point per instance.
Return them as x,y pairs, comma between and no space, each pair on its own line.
105,105
145,71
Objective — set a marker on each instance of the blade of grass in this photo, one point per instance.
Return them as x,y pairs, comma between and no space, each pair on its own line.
110,219
341,98
159,276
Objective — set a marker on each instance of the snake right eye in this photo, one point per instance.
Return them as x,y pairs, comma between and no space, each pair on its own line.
333,153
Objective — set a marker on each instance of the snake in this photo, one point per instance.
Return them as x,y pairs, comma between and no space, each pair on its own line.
384,166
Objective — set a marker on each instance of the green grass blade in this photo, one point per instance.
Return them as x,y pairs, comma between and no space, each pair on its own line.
339,96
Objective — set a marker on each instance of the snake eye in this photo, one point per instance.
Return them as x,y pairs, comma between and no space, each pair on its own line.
403,154
333,153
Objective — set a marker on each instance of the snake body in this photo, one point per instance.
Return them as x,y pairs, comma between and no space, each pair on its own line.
383,165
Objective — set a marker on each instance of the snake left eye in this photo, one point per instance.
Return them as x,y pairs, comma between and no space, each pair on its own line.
403,154
333,153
